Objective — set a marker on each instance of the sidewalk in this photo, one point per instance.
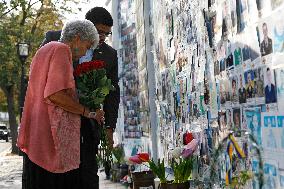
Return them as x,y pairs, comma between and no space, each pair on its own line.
11,174
107,184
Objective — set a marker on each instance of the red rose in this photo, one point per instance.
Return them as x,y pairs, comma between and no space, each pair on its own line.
88,66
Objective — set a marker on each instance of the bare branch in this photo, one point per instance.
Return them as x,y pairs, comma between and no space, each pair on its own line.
8,11
30,5
39,13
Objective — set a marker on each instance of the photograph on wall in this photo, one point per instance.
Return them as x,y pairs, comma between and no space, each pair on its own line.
273,132
279,72
143,100
222,65
141,59
237,56
265,34
255,170
281,179
233,15
234,89
278,31
143,80
242,14
227,89
223,91
216,68
251,36
263,7
246,53
242,89
250,84
144,122
280,124
269,86
253,122
276,4
269,132
223,120
271,176
132,147
165,85
160,50
213,101
259,85
229,118
237,119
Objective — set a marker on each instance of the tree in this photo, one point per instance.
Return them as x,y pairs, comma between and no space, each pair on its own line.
3,102
23,20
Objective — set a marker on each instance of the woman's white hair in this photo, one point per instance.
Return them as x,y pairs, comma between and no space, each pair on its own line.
85,29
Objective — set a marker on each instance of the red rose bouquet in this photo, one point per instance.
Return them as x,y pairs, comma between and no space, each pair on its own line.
92,83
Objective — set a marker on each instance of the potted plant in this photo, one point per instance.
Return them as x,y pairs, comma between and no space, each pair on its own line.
142,178
159,170
182,166
182,169
119,168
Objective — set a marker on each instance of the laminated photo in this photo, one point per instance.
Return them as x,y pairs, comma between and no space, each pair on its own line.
242,90
271,177
250,84
253,121
269,132
281,179
259,85
229,118
255,170
269,86
276,4
234,89
273,137
279,72
237,56
252,11
265,37
237,119
242,14
278,31
263,7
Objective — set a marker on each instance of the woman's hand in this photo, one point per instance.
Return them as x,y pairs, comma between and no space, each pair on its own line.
98,115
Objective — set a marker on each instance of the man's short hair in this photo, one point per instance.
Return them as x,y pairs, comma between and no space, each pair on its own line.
99,15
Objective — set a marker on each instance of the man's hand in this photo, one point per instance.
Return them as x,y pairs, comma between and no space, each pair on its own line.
98,115
109,134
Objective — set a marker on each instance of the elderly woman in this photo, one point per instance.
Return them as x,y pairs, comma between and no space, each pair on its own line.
49,133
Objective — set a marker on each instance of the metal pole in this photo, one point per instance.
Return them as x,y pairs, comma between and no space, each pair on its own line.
151,81
22,87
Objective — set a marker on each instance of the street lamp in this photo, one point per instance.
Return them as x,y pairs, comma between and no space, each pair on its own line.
23,52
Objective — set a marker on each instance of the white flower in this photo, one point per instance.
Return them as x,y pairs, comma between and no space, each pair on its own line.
177,152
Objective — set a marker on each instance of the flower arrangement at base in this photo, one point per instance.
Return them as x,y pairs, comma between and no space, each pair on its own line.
182,165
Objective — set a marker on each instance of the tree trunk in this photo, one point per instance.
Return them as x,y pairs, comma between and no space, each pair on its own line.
9,92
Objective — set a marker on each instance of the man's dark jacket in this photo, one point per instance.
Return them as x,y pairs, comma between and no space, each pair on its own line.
109,56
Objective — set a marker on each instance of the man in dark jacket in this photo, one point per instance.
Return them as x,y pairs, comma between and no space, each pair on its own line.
90,134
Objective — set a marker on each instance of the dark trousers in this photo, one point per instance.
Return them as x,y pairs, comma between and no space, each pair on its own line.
89,150
35,177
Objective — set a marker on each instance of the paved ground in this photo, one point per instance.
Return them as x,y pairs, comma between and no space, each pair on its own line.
4,145
11,173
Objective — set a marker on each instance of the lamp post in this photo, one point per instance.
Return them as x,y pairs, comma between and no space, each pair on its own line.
23,52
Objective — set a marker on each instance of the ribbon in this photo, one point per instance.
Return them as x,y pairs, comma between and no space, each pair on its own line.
232,144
